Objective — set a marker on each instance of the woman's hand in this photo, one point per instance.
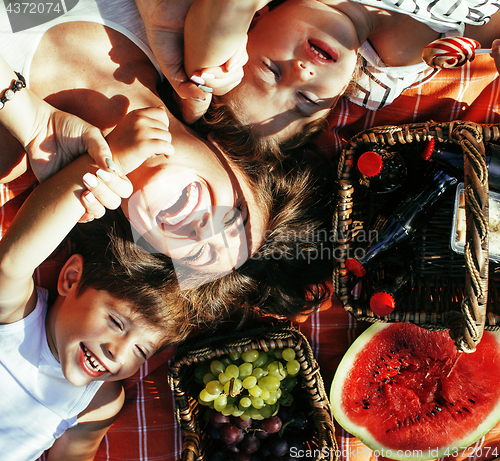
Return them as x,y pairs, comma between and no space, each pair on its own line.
58,138
52,138
141,134
165,21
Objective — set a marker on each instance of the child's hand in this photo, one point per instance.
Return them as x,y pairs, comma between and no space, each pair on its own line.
141,134
224,78
215,80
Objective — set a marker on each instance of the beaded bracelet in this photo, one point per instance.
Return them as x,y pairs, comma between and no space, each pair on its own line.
9,93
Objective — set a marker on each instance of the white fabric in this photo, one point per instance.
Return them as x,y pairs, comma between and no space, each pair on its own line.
37,403
121,15
379,84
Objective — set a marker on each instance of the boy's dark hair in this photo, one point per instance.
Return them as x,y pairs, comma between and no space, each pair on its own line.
112,262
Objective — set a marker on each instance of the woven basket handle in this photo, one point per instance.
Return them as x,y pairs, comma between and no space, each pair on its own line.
467,329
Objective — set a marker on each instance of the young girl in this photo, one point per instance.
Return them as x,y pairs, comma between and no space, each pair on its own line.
61,365
303,54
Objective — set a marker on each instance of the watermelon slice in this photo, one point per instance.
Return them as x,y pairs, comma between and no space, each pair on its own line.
409,395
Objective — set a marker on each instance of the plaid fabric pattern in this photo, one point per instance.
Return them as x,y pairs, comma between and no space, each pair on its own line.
470,92
146,429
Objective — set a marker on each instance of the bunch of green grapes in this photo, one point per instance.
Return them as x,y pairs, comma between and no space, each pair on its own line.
251,385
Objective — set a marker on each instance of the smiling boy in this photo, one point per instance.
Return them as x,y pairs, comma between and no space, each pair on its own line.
61,366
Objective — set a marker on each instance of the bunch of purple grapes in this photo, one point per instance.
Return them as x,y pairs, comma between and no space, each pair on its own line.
282,437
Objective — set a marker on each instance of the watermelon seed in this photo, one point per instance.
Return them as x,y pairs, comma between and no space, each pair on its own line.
432,413
471,401
438,408
466,409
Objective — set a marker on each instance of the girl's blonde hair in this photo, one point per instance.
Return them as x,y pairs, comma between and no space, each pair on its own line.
239,138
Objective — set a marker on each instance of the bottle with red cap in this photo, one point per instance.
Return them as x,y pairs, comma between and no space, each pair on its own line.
453,159
399,221
389,282
381,170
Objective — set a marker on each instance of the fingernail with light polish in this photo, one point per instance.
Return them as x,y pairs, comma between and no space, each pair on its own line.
90,180
197,80
207,75
198,99
111,164
90,197
103,175
206,89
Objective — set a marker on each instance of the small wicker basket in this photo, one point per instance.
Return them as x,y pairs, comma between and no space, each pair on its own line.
449,290
189,413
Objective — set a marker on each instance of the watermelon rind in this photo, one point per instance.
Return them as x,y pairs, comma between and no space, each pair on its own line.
365,436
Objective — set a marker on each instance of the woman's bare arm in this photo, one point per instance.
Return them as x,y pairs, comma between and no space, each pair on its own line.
51,137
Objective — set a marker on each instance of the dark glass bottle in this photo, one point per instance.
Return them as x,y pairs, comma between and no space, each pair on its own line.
453,158
381,170
399,221
388,282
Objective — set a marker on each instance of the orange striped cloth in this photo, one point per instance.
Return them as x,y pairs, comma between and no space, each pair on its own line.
471,92
146,429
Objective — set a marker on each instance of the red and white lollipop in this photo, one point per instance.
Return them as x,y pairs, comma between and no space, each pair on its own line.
450,52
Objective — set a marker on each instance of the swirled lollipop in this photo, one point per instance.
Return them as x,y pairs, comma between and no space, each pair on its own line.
450,52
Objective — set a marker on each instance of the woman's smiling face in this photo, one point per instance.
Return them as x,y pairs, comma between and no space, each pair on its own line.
301,58
196,208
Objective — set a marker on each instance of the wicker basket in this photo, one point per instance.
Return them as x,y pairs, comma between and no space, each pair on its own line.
449,290
188,411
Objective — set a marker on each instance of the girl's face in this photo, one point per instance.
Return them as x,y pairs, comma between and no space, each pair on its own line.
301,58
197,209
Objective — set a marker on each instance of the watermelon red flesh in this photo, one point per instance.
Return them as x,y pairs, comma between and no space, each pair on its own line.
409,388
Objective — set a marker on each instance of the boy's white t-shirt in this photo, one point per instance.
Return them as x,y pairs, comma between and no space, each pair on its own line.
379,84
37,403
